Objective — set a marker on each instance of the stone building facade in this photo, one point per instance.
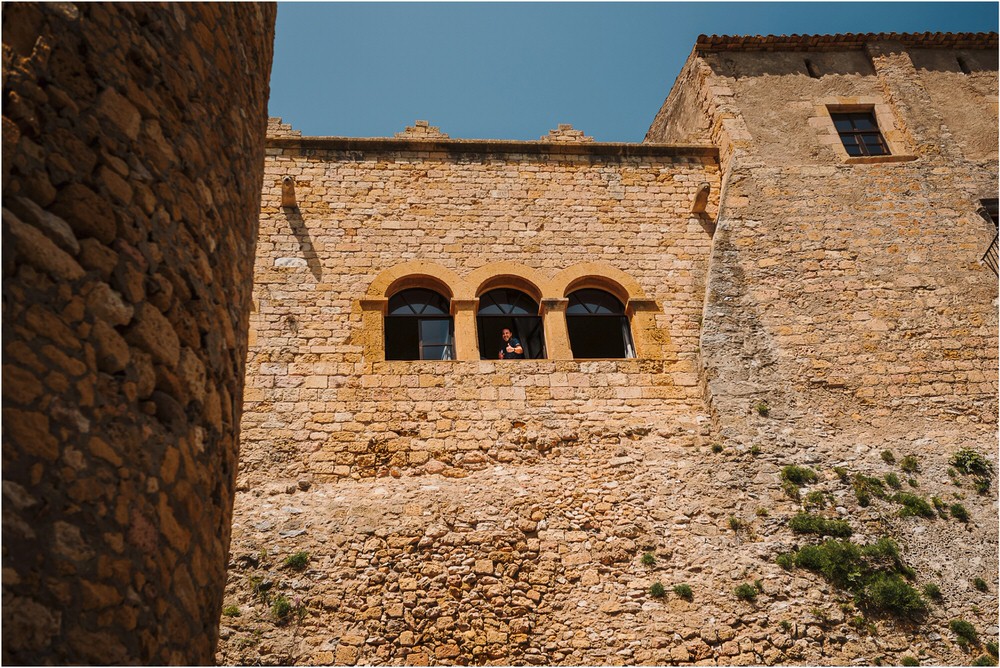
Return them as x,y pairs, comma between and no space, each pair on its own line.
795,250
375,218
132,160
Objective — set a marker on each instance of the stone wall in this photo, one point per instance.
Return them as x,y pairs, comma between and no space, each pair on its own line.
468,512
469,216
132,162
853,284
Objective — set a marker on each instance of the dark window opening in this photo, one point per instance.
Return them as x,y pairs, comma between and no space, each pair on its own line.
990,210
598,327
859,132
418,326
516,311
962,65
812,69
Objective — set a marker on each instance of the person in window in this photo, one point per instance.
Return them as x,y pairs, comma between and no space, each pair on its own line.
511,348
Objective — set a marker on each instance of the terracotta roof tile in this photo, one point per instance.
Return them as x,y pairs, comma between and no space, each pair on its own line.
970,40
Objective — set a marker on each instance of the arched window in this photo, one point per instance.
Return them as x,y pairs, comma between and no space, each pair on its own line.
598,327
418,326
516,311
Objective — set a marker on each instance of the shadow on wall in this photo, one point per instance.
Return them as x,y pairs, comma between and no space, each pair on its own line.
306,248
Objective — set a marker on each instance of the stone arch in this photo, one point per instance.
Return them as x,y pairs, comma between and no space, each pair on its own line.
416,274
509,275
597,275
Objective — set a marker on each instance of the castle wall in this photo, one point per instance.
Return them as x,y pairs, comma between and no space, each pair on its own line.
579,512
854,284
132,161
374,217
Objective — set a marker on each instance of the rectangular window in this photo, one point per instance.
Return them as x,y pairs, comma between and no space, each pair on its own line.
859,132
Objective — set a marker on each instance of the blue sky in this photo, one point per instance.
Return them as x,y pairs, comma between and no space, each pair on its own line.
516,70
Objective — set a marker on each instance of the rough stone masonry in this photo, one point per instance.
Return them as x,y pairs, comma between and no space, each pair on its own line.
132,163
791,305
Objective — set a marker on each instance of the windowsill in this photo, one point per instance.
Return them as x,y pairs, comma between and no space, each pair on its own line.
516,361
877,159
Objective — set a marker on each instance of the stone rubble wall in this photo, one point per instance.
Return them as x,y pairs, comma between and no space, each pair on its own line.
317,393
132,160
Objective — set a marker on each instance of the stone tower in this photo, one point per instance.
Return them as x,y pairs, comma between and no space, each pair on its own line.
132,162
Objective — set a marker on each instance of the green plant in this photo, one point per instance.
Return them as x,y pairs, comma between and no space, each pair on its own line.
281,607
786,560
761,512
959,512
888,457
261,588
762,408
790,489
980,584
648,559
932,591
873,573
735,524
892,480
991,647
820,614
940,506
964,629
912,482
842,473
984,660
717,448
891,593
913,505
910,464
815,499
798,475
785,625
297,561
657,590
684,591
970,462
982,485
816,524
746,592
231,611
759,585
866,487
909,661
754,449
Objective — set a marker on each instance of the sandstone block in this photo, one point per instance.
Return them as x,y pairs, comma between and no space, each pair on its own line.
54,227
347,655
30,430
154,334
112,350
120,112
86,212
39,251
20,386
